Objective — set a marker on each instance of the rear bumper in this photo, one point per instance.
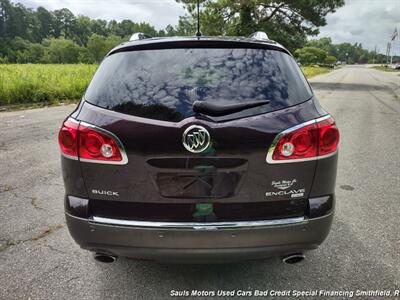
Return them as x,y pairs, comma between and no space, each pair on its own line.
209,243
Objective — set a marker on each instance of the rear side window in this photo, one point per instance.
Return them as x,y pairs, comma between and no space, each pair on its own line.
163,84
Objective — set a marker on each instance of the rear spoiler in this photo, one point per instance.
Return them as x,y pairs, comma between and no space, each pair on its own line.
161,44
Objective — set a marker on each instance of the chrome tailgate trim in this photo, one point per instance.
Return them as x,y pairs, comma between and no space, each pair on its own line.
201,226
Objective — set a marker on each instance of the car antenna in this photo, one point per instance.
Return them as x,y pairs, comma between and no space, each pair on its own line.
198,33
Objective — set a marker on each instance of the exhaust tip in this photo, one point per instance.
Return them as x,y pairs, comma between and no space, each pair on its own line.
293,258
105,258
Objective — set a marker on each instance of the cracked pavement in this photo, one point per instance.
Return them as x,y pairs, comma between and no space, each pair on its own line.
39,260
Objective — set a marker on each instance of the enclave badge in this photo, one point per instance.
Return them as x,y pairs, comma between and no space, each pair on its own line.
196,139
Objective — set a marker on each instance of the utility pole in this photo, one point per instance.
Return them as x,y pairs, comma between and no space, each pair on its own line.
393,38
387,53
373,58
392,48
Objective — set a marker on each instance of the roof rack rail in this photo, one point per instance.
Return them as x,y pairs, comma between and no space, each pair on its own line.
259,35
139,36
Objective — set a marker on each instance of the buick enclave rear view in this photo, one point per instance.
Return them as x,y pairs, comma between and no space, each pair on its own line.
199,149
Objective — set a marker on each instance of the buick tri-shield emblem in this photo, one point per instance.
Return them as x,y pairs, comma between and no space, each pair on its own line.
196,139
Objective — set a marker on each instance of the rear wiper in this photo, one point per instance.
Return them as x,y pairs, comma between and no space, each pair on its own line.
216,110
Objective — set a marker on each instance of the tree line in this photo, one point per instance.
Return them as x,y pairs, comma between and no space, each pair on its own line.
323,51
43,36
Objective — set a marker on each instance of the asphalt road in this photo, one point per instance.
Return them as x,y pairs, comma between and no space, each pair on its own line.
39,260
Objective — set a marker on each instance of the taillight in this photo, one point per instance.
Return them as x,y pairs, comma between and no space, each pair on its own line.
328,136
97,145
90,143
68,138
308,141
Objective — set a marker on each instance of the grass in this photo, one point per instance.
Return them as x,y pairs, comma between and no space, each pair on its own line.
35,83
386,69
311,71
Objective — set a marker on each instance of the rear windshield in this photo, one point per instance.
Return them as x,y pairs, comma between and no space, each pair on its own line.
163,84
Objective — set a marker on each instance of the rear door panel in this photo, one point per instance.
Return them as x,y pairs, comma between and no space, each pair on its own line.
160,169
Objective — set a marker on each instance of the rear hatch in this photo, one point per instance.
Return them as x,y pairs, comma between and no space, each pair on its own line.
146,97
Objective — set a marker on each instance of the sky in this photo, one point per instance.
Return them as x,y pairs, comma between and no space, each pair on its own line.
370,22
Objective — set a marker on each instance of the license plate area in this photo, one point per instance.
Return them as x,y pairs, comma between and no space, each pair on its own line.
198,184
198,178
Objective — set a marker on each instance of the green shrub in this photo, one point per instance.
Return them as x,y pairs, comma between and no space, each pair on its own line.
312,71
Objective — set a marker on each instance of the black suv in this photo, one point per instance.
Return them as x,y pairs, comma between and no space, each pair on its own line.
199,149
